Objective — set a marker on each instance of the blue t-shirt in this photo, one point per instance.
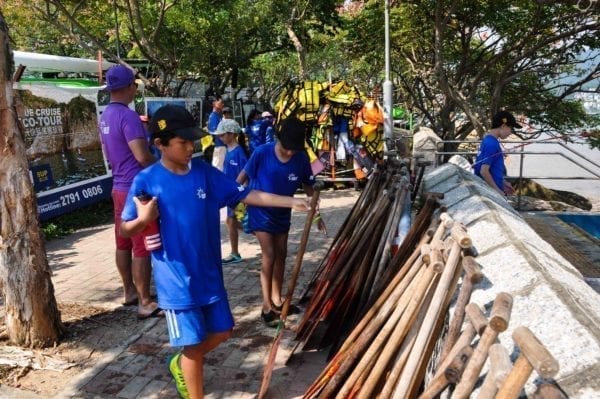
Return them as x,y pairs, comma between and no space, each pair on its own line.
267,173
259,132
213,121
254,135
235,160
267,131
187,269
490,153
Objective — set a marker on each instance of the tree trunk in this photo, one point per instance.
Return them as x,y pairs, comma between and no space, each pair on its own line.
32,316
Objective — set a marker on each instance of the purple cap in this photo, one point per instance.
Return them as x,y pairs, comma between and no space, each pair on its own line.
119,76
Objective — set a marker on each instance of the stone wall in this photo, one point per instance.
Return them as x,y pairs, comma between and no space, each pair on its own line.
550,296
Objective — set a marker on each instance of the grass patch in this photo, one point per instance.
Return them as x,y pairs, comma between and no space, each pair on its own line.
90,216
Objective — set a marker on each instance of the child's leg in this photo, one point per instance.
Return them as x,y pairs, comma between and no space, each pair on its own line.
267,247
232,228
198,331
280,243
192,362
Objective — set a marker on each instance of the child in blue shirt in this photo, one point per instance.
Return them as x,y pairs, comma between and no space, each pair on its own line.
489,164
280,168
186,197
228,132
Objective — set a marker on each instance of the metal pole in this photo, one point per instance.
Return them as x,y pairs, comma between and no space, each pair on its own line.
388,121
520,179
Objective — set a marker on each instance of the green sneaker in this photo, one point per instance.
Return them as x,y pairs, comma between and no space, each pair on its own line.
232,258
177,373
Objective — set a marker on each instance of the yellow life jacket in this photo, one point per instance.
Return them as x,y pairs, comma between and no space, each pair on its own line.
308,95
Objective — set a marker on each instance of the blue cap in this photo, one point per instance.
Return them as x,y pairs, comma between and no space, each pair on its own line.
118,77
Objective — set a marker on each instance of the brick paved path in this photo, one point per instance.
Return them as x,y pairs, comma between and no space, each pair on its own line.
84,272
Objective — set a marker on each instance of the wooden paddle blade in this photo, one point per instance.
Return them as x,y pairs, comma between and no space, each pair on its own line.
268,370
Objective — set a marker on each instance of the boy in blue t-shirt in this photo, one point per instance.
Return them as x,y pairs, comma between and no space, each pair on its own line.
186,197
280,168
489,164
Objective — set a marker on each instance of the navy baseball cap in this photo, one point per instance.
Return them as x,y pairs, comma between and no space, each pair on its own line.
175,119
118,77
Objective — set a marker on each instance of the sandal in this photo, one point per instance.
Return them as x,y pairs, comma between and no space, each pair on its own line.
270,318
292,309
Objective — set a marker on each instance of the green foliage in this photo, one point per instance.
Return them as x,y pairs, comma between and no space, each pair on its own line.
455,62
188,39
463,60
98,214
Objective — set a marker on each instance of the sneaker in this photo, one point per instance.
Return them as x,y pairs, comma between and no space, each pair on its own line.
177,373
270,318
232,258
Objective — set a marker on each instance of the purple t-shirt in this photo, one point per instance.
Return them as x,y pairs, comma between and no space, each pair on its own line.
118,126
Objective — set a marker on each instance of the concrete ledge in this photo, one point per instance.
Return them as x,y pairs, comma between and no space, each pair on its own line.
550,296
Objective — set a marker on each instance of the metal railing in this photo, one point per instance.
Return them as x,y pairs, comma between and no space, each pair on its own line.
574,157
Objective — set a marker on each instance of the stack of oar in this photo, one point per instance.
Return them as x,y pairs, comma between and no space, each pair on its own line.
360,262
386,353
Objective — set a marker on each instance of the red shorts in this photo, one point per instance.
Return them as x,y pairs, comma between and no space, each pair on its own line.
126,244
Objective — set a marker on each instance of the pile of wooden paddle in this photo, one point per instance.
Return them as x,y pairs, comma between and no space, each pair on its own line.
361,262
403,335
387,352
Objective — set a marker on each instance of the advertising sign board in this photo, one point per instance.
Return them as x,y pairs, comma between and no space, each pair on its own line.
63,148
66,163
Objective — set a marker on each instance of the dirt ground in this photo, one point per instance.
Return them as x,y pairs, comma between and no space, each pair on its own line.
89,331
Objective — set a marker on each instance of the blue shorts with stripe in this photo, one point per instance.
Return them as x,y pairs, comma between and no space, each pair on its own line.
191,326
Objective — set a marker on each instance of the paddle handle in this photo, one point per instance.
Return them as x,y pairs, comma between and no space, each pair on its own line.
300,254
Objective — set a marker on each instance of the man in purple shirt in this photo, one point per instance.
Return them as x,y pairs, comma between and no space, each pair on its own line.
126,148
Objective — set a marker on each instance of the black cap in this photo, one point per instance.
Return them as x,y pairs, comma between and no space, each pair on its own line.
227,110
505,117
292,134
176,119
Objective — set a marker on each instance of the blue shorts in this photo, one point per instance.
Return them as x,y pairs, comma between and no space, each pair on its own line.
191,326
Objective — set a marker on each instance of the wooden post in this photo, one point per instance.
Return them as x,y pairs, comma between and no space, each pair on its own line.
500,366
498,322
406,382
451,374
534,355
471,277
460,236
